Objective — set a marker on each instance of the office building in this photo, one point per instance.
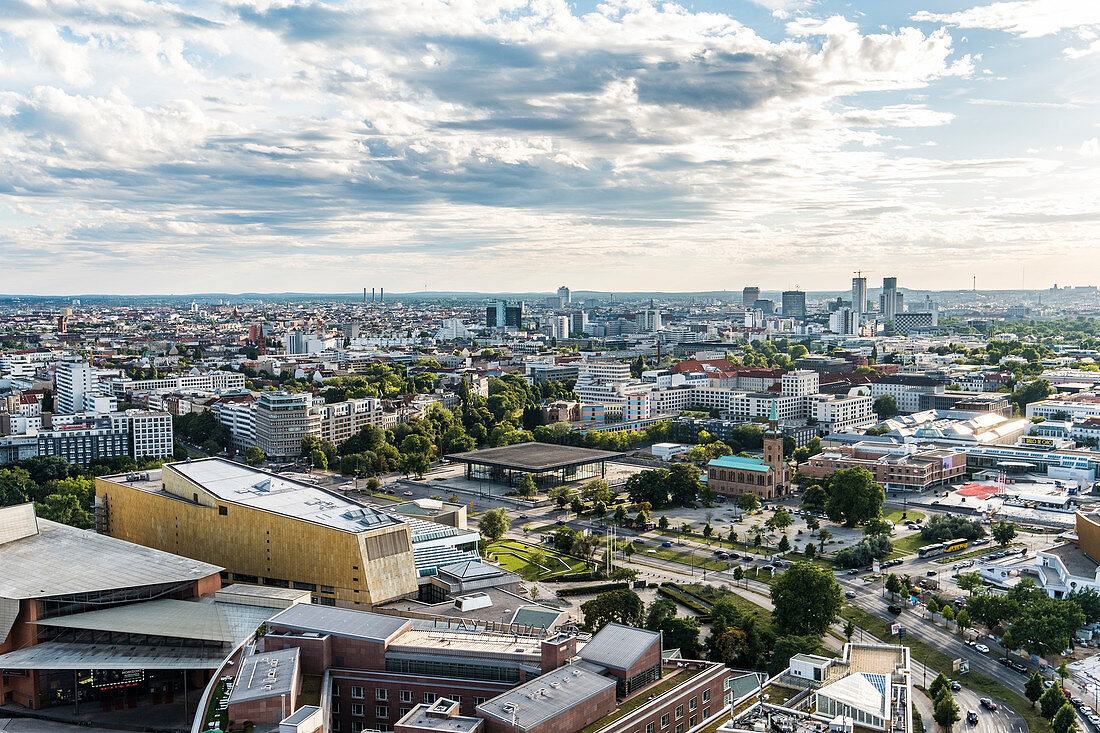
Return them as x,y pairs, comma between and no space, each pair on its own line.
265,529
500,315
297,342
859,295
897,468
281,420
767,307
151,434
794,304
891,302
749,296
580,322
88,438
564,297
192,380
649,321
558,327
915,321
844,321
495,677
73,380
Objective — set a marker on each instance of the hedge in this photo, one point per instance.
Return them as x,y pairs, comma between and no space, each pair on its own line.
600,588
701,612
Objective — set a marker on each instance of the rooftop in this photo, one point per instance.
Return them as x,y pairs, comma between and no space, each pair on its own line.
439,716
1074,558
534,457
62,560
536,701
246,486
340,622
740,463
618,647
265,674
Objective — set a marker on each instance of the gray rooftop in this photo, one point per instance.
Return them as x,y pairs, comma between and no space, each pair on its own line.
165,617
435,717
546,696
53,655
534,457
265,674
618,647
264,491
1076,561
340,622
62,560
300,715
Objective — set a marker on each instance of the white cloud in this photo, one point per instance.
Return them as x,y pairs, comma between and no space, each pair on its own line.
1027,18
1090,148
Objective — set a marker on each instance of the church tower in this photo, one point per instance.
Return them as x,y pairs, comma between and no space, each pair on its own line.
773,452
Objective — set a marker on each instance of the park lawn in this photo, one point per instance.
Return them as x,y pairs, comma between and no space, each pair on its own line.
941,662
907,546
894,515
713,593
512,555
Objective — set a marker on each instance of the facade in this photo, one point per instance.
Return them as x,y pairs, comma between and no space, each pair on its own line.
151,434
1072,407
906,390
914,321
500,315
906,469
57,583
263,529
73,380
749,296
281,420
891,302
859,296
210,382
341,420
794,304
839,413
85,439
768,478
387,673
549,464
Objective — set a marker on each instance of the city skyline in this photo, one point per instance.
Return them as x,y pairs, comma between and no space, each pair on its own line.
503,146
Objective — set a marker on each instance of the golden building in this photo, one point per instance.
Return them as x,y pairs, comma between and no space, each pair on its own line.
263,529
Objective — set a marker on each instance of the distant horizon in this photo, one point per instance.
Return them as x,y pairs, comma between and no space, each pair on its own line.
473,294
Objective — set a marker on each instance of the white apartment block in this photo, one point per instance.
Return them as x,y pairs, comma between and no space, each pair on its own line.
801,383
211,381
151,434
282,419
1082,407
240,418
836,413
72,381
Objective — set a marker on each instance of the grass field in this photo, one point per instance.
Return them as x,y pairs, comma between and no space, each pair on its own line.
700,559
894,515
712,594
907,546
517,557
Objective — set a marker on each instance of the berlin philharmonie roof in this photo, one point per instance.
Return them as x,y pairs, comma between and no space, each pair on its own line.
40,558
267,492
534,457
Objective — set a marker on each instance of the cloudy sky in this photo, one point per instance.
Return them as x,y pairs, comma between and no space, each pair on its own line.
154,147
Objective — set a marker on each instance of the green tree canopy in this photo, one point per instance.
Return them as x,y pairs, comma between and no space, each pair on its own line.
854,497
806,599
494,523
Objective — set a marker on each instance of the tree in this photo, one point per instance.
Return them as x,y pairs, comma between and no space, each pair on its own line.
659,610
854,497
963,619
318,459
849,629
1033,688
1051,701
814,498
812,524
527,488
1034,391
618,606
806,599
939,685
822,536
682,634
878,527
254,456
992,610
494,523
597,490
944,527
662,523
738,574
781,519
1088,601
1003,532
560,495
1065,720
784,544
886,407
748,502
946,712
810,551
707,531
893,585
970,581
683,484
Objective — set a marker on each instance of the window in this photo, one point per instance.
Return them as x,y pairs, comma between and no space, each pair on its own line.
692,720
357,693
381,712
429,697
480,700
693,703
328,589
706,695
356,727
381,694
357,709
406,696
679,711
679,728
706,713
336,690
223,510
664,720
649,728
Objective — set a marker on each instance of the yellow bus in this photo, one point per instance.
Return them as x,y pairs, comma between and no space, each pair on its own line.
955,545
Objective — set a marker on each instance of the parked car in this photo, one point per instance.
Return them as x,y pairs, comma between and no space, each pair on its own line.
1019,667
982,648
1005,661
523,516
988,703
